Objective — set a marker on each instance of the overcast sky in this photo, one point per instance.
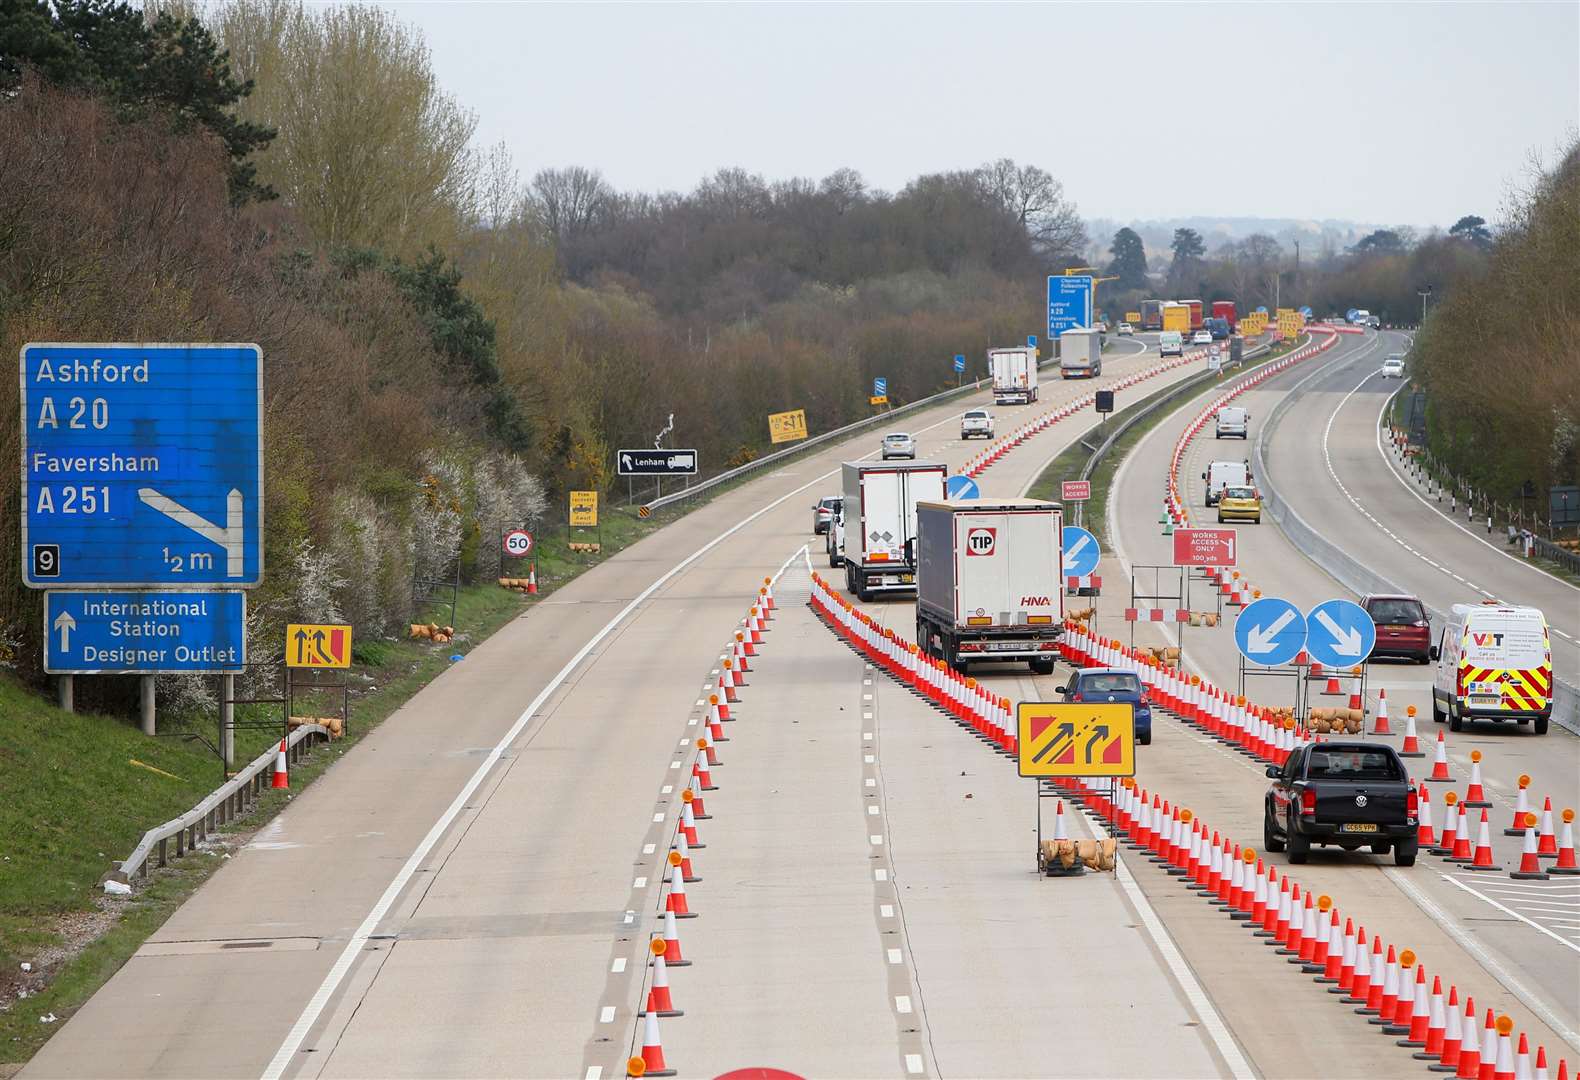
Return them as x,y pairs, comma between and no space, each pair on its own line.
1408,113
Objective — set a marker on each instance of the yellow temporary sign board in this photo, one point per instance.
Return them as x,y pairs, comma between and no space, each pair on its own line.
1289,322
1058,739
1253,323
878,399
584,508
1133,318
316,645
787,426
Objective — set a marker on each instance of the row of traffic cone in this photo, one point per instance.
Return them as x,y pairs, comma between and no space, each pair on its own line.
665,947
1306,930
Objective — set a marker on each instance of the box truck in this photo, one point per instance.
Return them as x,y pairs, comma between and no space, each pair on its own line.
879,522
990,581
1081,353
1151,314
1176,316
1014,375
1196,313
1224,309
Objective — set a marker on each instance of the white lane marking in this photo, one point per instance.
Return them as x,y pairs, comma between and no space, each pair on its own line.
913,1063
658,817
1485,958
606,1015
880,874
868,758
618,966
867,735
895,957
871,782
877,839
902,1004
886,910
1211,1021
648,849
667,789
594,1072
639,883
872,811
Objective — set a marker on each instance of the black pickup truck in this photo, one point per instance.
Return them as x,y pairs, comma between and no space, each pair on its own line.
1344,793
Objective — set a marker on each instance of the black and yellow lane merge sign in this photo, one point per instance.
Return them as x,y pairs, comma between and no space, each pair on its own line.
1076,739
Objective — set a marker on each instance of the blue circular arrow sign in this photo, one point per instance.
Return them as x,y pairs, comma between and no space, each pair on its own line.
1081,553
962,487
1339,633
1270,631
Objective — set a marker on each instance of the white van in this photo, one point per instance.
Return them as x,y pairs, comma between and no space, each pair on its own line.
1494,662
1222,474
1231,420
1171,343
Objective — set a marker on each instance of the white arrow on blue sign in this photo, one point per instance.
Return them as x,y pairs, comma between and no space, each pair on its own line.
1081,553
880,387
960,362
1270,631
962,487
1069,303
1339,633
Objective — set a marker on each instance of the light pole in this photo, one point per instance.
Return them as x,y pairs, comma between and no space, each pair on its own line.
1424,291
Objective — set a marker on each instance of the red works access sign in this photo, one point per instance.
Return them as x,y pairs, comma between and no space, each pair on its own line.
1203,547
1075,490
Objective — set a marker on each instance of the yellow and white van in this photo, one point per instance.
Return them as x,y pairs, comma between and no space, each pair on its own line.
1495,662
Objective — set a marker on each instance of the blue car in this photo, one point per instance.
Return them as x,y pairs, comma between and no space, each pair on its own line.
1114,685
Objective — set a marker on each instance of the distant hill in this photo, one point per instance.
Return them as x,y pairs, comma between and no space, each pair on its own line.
1316,237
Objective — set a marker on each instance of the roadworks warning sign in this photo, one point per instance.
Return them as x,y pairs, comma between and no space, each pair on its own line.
1076,739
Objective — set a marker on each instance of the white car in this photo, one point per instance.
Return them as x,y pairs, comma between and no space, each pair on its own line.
1201,337
1393,367
1126,330
899,444
976,423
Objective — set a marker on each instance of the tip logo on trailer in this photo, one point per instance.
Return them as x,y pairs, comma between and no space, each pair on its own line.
981,541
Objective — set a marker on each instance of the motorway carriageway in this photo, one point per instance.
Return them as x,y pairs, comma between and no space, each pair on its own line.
453,898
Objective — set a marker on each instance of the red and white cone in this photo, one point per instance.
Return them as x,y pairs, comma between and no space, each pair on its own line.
1522,807
1469,1044
676,901
1425,836
1530,865
1546,842
1445,842
703,778
698,811
1380,724
681,856
651,1063
1411,747
282,778
672,955
1453,1029
1504,1069
716,722
659,998
1361,984
688,821
1566,848
1475,798
1462,850
1489,1047
1440,763
1058,821
532,580
1421,1010
1483,857
1522,1060
712,755
768,594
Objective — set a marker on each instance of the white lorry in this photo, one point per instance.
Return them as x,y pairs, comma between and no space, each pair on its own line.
1225,474
878,522
1014,375
1081,353
990,581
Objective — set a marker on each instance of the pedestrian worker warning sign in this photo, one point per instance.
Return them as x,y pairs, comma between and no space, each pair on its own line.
311,645
1059,739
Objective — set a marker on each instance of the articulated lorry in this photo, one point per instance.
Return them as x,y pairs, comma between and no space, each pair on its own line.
1224,309
1014,375
1151,315
1195,313
879,522
1081,353
990,581
1176,316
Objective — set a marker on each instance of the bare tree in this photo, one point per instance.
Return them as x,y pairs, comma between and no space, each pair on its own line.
499,196
845,187
569,202
1037,201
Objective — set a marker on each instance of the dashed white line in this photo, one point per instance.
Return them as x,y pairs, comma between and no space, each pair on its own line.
618,966
606,1015
872,811
648,849
895,956
639,883
902,1004
594,1072
886,910
913,1063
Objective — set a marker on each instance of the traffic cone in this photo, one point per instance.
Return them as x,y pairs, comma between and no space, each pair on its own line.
676,901
1380,724
768,594
1387,998
1333,965
672,955
1333,689
1411,747
738,653
1475,798
1440,764
1469,1044
1489,1048
1504,1069
1541,1063
1566,849
1453,1028
721,707
681,857
699,812
532,579
1425,837
1410,985
1421,1010
1521,808
282,777
1522,1060
708,750
651,1063
704,778
1361,983
1483,858
1445,842
1546,842
716,723
1530,865
1462,852
659,998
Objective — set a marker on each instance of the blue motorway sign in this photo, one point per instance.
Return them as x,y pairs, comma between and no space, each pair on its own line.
880,387
142,466
146,633
962,487
1339,633
1031,341
960,362
1081,553
1069,303
1270,631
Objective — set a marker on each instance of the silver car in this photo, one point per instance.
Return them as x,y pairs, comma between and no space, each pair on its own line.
823,512
1393,367
899,444
976,423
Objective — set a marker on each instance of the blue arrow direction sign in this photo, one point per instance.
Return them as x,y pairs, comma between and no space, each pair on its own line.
880,387
146,633
962,487
1270,631
1081,553
1339,633
1069,303
142,466
960,362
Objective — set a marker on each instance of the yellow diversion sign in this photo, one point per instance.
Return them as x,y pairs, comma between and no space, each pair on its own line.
313,645
787,426
1059,739
584,508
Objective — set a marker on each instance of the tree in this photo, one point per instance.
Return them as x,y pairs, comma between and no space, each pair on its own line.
1186,270
1130,260
1381,242
1473,229
567,202
1188,244
1037,201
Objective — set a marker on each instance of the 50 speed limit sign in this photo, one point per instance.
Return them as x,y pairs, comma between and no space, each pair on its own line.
518,542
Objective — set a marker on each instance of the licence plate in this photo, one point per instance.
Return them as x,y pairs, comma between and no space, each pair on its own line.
1486,699
1004,646
906,579
1358,826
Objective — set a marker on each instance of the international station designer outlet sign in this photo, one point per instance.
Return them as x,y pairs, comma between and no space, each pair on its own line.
142,466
